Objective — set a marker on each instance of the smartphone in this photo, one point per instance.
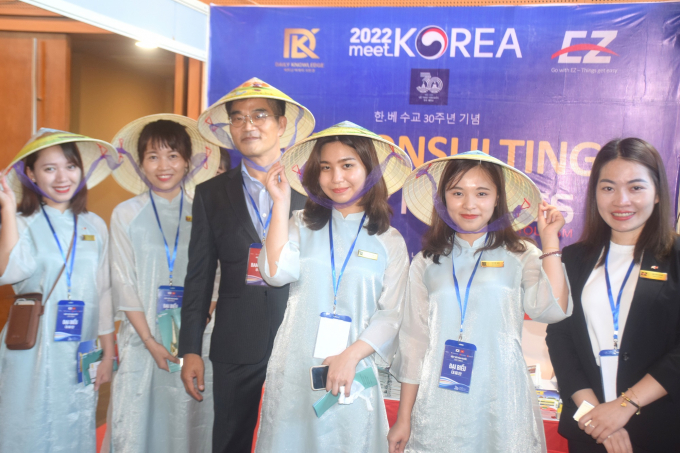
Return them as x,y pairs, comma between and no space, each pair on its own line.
318,375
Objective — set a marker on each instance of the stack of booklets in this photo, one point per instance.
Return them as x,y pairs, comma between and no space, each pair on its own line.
88,358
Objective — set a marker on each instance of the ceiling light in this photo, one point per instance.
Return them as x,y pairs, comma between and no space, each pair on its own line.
145,45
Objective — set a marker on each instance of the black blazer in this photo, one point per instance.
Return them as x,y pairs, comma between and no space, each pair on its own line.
650,345
246,316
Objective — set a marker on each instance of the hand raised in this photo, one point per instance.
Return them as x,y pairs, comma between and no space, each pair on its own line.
7,199
550,221
277,185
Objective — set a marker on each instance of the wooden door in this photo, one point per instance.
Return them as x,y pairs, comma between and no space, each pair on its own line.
31,65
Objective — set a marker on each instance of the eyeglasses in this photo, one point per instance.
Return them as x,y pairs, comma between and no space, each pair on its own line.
258,119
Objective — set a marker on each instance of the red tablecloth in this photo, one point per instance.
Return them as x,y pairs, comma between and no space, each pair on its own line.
555,442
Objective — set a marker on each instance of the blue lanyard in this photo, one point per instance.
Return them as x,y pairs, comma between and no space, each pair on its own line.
171,259
463,306
265,225
336,283
615,307
69,269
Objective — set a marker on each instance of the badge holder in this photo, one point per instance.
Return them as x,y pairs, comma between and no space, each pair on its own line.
459,357
332,335
253,275
169,297
609,358
70,313
609,364
69,320
457,365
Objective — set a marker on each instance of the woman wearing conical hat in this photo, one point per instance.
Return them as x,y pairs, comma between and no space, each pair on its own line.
164,158
347,269
43,406
465,385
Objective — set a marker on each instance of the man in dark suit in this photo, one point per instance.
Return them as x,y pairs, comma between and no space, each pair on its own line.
230,219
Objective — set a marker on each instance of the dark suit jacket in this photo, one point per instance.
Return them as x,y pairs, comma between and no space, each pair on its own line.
246,316
650,345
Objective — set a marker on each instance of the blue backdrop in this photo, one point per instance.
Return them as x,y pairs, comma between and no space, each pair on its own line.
539,87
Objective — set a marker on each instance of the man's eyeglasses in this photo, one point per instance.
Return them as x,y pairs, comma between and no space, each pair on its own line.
257,119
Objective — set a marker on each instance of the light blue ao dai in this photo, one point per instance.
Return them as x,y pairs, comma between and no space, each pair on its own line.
151,410
501,412
42,406
371,293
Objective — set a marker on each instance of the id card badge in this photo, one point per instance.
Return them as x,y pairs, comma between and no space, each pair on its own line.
169,297
332,336
457,366
609,365
69,320
253,276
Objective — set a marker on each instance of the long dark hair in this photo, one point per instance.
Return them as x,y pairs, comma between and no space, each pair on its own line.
374,202
657,236
438,240
30,201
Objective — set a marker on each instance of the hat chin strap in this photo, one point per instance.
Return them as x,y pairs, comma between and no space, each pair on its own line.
501,223
197,162
20,171
222,136
371,180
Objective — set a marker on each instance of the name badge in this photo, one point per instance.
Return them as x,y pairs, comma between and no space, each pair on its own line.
651,275
332,336
493,263
609,365
369,255
456,372
189,218
169,297
69,320
253,275
87,237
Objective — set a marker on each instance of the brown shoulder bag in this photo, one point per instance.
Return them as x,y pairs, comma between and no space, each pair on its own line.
25,313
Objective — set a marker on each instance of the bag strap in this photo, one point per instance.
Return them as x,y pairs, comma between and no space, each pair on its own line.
68,254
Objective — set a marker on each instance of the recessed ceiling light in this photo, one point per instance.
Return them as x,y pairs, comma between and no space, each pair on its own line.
146,45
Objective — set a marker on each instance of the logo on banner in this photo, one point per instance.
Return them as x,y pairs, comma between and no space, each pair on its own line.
429,86
432,42
607,36
299,43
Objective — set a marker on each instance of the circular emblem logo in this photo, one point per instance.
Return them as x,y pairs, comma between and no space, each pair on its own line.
432,42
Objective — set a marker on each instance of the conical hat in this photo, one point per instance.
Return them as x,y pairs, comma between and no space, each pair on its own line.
300,120
519,189
395,173
127,139
90,150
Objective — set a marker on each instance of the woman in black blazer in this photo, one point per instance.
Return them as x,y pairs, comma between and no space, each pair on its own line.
627,231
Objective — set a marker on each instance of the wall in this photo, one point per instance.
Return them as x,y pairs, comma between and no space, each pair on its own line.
53,54
105,96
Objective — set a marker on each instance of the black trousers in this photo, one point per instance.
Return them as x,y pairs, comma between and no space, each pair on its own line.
236,391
